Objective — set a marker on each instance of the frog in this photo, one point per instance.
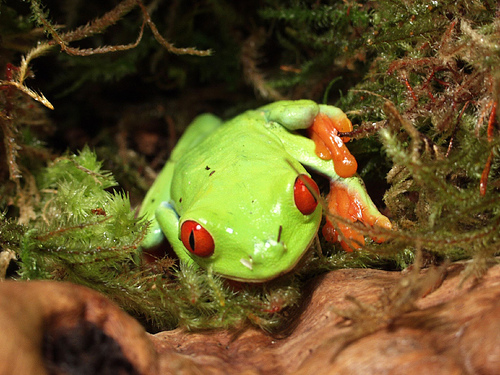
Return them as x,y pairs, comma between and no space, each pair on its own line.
236,199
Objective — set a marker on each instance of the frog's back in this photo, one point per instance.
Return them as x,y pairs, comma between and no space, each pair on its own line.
237,150
243,135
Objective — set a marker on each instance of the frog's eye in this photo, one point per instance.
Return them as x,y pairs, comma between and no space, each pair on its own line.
305,192
197,239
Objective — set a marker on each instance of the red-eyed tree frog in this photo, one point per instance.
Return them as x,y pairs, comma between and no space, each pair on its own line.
235,198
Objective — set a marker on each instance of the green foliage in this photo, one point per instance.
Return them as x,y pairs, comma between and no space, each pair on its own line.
431,83
321,39
89,235
10,233
206,301
83,233
433,88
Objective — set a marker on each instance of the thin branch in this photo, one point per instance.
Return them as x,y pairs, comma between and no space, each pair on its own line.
169,46
40,50
105,49
39,97
100,24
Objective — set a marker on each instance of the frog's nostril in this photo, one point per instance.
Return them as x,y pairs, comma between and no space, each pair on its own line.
280,230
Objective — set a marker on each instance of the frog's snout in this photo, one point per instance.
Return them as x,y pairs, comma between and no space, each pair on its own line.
265,253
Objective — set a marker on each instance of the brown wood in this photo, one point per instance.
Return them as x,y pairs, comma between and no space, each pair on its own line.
452,330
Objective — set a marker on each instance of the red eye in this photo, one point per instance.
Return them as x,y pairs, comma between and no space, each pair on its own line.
197,239
305,192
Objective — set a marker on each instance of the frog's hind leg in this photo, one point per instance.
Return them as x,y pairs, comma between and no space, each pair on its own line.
349,200
199,129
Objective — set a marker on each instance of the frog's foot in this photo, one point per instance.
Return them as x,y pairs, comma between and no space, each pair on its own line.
329,146
348,201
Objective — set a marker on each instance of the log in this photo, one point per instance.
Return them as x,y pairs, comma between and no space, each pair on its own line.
52,328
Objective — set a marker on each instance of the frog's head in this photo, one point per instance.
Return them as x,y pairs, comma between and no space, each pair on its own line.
260,228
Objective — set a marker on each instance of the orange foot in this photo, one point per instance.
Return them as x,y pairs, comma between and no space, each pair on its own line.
349,200
329,146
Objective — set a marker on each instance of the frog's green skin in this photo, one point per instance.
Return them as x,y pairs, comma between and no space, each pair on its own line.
236,179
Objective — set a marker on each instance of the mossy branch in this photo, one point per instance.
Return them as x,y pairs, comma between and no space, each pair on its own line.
100,25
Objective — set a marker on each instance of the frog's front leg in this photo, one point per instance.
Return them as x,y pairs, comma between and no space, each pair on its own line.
324,123
348,198
168,221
